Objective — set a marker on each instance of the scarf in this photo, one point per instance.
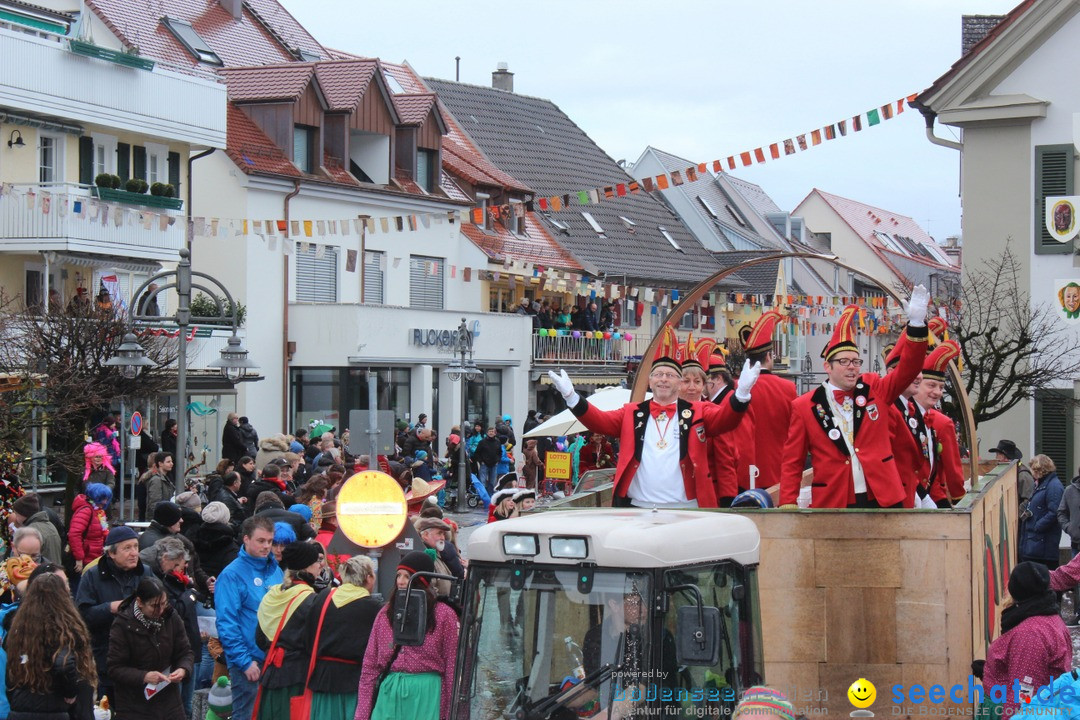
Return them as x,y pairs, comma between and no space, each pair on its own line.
347,593
153,625
274,603
184,579
1045,604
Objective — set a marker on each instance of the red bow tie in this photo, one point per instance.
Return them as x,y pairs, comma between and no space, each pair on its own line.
841,396
657,410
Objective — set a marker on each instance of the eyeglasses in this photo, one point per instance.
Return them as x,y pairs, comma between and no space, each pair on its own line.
665,375
849,362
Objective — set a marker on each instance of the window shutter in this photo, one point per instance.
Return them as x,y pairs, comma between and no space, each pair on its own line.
86,160
123,161
1053,428
1054,171
174,172
373,278
426,282
316,277
138,162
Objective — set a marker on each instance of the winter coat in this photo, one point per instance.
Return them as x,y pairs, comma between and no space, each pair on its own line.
156,532
216,546
504,429
270,448
1040,534
413,443
86,535
1068,512
147,448
102,475
251,439
488,451
239,590
159,487
232,442
289,663
263,485
1039,648
236,509
343,639
134,651
27,704
99,586
185,600
51,545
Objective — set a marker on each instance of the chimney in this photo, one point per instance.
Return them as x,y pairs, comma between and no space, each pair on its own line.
234,8
502,78
974,28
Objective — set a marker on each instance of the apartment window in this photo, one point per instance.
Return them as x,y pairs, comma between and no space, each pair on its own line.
631,317
303,141
515,223
374,262
104,154
50,158
426,282
686,322
317,274
192,41
427,165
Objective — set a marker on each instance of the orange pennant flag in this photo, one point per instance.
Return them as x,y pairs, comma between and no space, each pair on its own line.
717,166
478,216
759,155
745,157
662,182
701,168
815,137
731,162
556,203
774,151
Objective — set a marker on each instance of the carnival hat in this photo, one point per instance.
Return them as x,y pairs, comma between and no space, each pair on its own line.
669,352
843,336
759,336
936,365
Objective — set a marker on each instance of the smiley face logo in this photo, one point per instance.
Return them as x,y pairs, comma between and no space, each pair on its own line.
862,693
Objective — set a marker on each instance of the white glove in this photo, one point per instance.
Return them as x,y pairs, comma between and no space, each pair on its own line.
747,378
916,309
565,386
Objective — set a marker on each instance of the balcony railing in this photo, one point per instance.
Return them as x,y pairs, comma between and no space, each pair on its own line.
73,223
570,350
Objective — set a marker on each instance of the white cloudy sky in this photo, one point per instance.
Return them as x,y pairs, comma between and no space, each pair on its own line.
704,79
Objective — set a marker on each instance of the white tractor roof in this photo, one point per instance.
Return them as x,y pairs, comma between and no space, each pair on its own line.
629,538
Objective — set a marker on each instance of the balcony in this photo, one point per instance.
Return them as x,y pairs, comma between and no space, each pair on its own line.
40,74
30,229
570,351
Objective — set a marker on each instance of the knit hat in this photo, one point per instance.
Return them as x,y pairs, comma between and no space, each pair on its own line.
189,500
119,534
220,699
302,510
417,561
760,700
299,555
167,513
1028,580
27,505
216,512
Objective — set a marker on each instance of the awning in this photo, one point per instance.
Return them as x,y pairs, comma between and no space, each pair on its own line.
113,262
589,379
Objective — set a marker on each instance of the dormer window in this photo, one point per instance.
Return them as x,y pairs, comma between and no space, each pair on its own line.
515,222
427,167
593,224
192,41
303,147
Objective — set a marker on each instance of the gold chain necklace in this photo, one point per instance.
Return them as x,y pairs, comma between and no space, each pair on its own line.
662,442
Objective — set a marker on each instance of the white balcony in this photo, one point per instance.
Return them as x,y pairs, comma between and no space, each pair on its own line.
40,75
26,227
570,351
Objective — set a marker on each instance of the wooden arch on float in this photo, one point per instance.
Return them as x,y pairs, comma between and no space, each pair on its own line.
641,381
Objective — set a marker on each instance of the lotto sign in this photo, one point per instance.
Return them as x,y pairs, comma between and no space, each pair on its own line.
559,465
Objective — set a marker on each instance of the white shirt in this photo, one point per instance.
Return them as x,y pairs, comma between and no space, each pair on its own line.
713,398
845,419
659,481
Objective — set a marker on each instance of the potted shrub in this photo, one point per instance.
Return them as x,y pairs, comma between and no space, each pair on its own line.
136,185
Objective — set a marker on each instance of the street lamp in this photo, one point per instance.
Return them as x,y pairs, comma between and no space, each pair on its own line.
463,368
233,364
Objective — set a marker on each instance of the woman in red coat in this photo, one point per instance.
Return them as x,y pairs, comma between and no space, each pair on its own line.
89,525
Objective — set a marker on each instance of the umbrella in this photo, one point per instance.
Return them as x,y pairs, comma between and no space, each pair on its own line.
566,424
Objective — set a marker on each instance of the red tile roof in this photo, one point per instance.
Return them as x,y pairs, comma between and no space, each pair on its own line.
267,82
414,109
251,149
344,82
402,179
537,246
258,38
336,171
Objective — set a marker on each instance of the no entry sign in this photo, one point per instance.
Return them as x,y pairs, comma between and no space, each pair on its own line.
136,423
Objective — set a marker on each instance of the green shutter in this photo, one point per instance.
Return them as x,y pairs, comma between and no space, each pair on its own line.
86,160
123,161
1054,429
138,162
174,172
1054,171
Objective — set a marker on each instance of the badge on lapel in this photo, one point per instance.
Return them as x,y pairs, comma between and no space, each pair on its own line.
700,429
872,411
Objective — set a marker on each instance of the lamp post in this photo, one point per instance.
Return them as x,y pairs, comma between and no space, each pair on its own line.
463,368
233,364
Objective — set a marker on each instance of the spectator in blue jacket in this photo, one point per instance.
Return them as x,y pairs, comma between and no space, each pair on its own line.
239,590
1040,533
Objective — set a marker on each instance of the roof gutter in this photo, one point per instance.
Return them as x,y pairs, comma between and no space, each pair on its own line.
929,116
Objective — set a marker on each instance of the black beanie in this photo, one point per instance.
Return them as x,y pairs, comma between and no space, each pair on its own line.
299,555
418,561
167,513
1028,580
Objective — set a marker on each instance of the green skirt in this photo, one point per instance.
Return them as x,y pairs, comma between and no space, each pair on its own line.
333,706
409,695
274,704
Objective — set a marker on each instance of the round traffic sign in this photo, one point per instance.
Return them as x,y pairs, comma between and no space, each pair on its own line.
371,509
136,423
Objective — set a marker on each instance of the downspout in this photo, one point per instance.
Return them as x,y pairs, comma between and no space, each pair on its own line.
190,233
285,315
929,116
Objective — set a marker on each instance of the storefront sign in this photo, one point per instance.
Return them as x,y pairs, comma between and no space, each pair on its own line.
559,465
441,339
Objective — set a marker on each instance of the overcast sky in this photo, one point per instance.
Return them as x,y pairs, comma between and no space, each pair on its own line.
704,79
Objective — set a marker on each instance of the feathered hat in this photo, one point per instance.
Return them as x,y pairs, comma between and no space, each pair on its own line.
718,359
759,336
669,352
696,353
843,336
936,365
939,329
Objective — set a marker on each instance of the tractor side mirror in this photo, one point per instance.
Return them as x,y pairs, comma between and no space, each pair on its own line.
697,635
410,617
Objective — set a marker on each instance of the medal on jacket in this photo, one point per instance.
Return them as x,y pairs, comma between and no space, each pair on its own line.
662,442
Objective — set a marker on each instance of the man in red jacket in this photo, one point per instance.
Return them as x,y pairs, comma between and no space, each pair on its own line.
724,449
663,455
844,423
770,415
941,449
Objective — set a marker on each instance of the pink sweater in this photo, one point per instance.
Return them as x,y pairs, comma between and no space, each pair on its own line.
1039,647
1066,577
438,654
